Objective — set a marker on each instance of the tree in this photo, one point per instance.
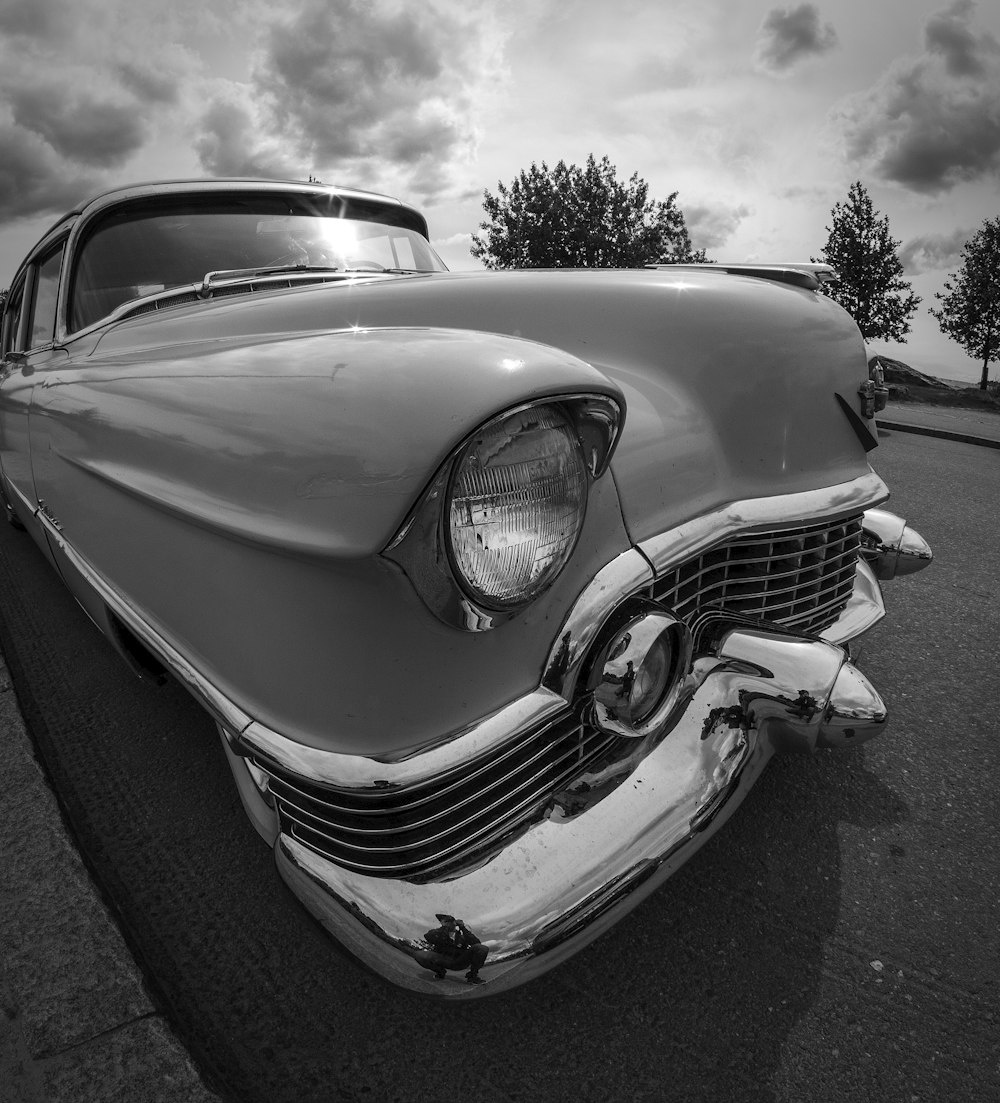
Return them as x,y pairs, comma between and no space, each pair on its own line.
970,311
570,217
863,252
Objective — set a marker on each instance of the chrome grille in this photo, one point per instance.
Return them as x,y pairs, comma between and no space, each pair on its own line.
801,578
458,817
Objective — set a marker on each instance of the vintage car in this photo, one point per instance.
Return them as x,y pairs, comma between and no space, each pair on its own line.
502,587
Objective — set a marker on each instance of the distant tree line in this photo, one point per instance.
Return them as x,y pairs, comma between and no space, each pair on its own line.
572,217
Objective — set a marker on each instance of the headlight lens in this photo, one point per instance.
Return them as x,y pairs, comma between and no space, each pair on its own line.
516,506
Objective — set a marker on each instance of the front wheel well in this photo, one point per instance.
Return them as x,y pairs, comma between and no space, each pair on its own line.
136,654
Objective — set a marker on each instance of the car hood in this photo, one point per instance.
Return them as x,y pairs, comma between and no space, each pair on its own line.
731,382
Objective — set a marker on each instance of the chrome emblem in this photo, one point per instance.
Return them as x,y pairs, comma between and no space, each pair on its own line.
867,392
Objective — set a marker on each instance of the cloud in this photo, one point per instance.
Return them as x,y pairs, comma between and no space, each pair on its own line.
230,143
712,225
932,121
934,252
789,36
949,36
83,88
32,177
28,18
151,84
85,129
376,90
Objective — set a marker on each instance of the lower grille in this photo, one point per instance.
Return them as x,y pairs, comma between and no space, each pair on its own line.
799,578
451,821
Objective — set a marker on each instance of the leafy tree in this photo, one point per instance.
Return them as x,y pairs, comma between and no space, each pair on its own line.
571,217
863,252
970,311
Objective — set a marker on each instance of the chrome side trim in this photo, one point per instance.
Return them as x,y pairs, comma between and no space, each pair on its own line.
222,709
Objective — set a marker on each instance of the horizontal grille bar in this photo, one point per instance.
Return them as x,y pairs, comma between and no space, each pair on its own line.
800,578
437,825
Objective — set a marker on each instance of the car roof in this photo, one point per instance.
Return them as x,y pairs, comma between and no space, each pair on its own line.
205,186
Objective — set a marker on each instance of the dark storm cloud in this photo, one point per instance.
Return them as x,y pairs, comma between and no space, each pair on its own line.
965,52
33,178
82,88
932,121
357,85
933,252
229,145
791,35
149,85
78,127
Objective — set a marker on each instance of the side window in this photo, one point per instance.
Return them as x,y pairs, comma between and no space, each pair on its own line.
42,321
12,318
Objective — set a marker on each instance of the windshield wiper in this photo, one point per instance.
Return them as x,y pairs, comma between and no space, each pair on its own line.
253,273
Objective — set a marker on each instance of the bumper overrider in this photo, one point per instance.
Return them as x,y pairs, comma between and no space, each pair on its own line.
690,711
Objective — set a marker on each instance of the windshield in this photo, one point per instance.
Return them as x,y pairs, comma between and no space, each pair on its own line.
141,250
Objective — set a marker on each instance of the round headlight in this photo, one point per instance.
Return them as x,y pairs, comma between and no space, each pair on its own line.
516,506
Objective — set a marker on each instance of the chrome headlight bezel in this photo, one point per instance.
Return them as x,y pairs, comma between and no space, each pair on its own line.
423,547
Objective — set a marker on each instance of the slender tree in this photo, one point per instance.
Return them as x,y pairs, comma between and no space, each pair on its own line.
571,217
970,307
863,252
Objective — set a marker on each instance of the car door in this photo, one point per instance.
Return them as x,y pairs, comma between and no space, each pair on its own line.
30,354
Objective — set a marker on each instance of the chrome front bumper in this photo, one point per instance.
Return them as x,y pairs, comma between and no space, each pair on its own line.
601,847
569,877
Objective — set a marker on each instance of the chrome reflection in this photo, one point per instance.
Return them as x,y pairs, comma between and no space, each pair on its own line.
557,885
451,947
637,674
892,547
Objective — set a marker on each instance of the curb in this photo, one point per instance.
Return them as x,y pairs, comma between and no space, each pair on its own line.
944,434
77,1024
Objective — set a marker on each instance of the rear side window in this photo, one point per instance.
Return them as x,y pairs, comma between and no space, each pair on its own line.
12,318
42,321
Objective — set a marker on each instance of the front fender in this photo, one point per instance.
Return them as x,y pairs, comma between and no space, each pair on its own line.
341,430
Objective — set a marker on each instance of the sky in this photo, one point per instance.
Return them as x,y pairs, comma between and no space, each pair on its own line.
759,116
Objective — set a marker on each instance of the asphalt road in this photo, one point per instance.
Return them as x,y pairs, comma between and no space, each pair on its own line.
839,940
